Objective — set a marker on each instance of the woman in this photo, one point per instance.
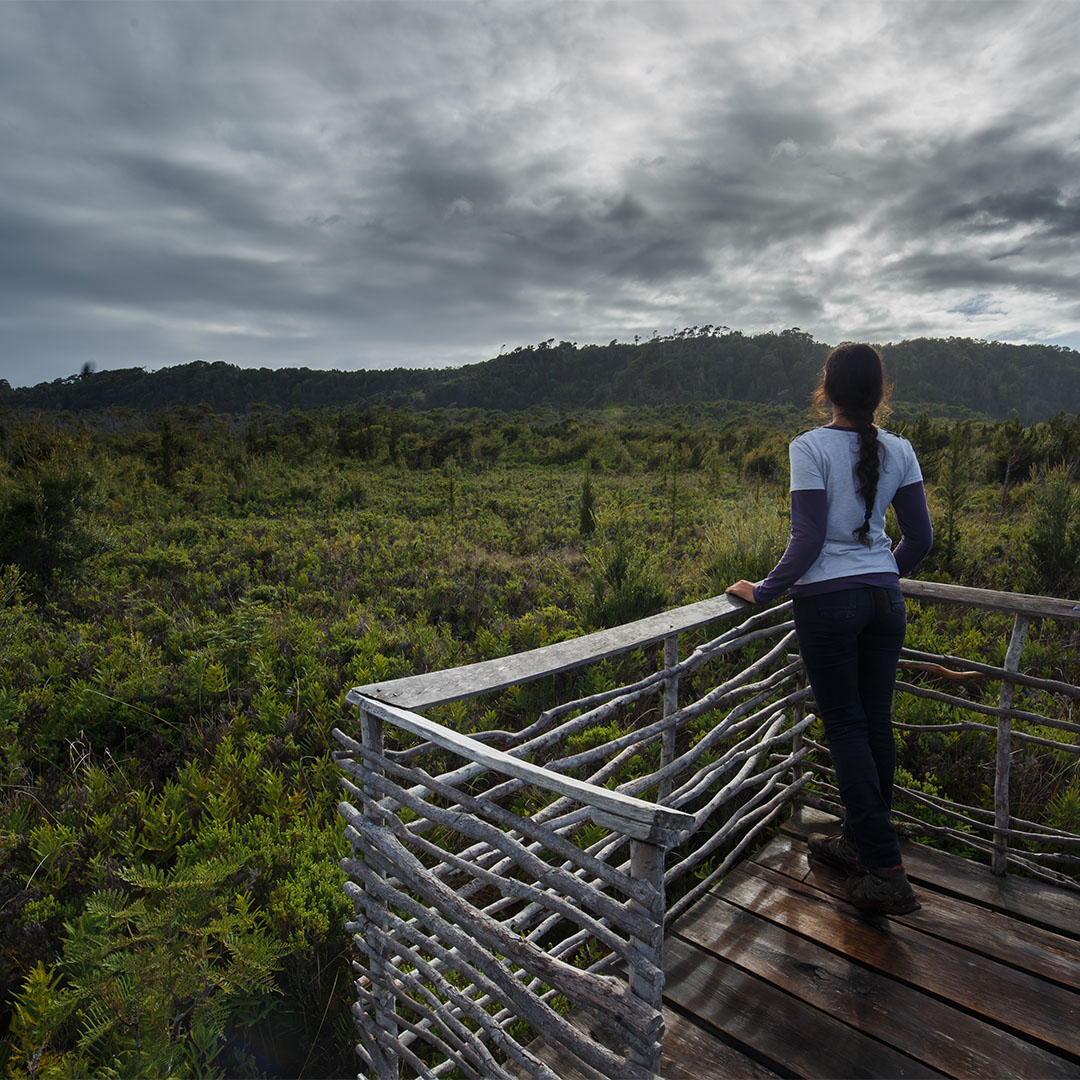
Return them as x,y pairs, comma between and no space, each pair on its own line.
844,579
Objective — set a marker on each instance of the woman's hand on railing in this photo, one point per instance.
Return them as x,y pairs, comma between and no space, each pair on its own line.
743,589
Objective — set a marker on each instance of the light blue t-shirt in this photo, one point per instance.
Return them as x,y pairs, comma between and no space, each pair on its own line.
825,458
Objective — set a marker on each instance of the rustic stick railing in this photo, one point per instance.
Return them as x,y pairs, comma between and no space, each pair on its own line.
513,884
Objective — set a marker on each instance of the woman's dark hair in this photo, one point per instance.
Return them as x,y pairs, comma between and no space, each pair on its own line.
853,380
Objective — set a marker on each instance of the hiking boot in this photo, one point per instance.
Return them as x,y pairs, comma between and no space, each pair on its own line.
835,849
887,892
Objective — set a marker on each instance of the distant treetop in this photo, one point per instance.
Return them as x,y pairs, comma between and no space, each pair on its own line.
696,364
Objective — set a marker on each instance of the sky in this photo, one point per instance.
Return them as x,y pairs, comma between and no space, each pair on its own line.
428,184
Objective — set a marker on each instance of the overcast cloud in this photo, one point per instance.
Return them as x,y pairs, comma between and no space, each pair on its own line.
419,184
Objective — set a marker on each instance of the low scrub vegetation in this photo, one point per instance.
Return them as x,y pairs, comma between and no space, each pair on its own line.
186,597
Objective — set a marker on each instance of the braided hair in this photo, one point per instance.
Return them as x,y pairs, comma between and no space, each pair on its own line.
854,381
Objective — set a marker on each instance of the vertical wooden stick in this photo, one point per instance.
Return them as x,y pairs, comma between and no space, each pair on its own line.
1004,748
647,864
797,714
671,706
385,1061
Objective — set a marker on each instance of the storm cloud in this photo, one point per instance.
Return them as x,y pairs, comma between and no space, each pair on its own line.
376,184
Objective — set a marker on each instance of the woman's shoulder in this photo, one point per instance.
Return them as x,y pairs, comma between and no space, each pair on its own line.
891,438
806,444
896,446
813,435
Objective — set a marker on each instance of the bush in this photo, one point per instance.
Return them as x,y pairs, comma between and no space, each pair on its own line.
149,985
47,512
623,584
1051,541
747,543
763,463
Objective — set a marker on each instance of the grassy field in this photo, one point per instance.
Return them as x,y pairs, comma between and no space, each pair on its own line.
186,598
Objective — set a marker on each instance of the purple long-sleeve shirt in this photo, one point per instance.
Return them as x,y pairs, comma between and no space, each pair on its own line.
809,515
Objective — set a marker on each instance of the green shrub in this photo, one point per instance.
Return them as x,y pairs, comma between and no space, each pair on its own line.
746,542
149,983
1051,541
763,463
586,506
47,512
624,584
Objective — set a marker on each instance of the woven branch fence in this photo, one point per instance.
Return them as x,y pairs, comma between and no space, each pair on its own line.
514,886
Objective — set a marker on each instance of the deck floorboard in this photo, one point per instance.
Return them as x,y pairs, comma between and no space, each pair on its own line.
774,974
982,981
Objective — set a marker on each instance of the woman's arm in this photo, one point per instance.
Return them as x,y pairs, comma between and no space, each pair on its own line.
809,518
916,532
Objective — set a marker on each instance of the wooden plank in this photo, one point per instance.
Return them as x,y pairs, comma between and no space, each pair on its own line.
1005,602
1014,942
1011,998
455,684
690,1053
1034,901
939,1035
633,817
800,1039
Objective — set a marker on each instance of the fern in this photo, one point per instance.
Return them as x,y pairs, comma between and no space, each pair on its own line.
152,981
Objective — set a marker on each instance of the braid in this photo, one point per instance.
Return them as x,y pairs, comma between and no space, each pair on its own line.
853,381
867,471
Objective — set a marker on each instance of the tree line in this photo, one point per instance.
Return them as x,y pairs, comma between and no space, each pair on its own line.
993,380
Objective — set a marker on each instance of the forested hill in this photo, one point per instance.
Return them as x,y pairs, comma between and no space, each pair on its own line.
699,364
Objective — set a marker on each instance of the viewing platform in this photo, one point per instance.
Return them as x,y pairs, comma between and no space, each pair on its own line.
621,887
773,974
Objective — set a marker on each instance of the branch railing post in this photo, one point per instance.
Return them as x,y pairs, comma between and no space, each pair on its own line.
798,712
1004,748
384,1059
647,864
670,694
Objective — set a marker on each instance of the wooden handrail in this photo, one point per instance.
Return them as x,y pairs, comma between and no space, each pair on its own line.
1008,603
630,816
456,684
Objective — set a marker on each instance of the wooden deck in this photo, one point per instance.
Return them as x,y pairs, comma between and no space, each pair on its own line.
774,974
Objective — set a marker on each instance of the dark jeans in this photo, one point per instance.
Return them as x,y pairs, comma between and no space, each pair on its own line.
850,643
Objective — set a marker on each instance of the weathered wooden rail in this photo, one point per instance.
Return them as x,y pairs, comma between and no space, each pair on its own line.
507,878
